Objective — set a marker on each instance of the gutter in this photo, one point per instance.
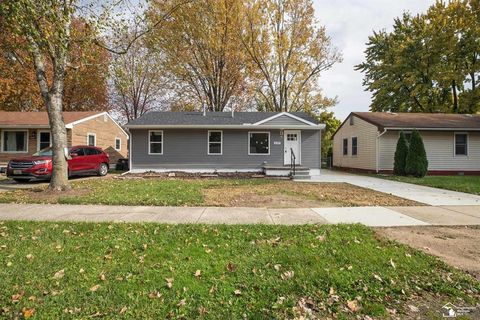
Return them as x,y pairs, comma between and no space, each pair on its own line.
377,149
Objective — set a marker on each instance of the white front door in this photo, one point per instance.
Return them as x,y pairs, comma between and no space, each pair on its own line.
291,142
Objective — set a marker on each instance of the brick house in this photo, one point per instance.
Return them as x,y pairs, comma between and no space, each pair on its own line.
25,133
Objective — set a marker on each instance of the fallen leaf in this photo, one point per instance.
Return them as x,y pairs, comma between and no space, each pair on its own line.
17,297
288,275
81,270
321,238
9,263
231,267
237,292
27,313
169,282
331,291
102,277
95,288
352,305
198,274
277,267
413,308
123,310
393,264
202,311
212,289
181,303
154,295
377,277
29,256
59,274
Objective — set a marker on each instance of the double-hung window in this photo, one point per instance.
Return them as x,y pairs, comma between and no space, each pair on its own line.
15,141
259,143
91,139
461,144
345,146
354,146
155,141
215,139
118,144
43,140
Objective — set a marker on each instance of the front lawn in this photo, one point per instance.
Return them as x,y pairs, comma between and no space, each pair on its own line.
469,184
207,192
152,271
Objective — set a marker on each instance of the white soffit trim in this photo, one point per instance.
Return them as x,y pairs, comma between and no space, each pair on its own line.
285,114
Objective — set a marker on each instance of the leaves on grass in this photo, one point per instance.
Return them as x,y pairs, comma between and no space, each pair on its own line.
28,313
169,282
376,276
181,303
353,305
154,295
231,267
17,297
287,275
59,274
198,274
123,310
392,264
95,288
29,256
237,292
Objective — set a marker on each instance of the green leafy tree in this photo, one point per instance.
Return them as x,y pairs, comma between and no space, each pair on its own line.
428,63
400,156
331,126
416,161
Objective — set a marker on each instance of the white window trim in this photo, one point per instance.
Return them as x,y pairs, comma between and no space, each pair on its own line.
1,142
119,139
94,137
351,147
258,154
455,144
149,142
343,147
221,143
38,138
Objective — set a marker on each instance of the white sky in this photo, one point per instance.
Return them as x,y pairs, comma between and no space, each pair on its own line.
349,23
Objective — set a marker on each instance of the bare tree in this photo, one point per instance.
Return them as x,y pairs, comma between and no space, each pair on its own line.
137,82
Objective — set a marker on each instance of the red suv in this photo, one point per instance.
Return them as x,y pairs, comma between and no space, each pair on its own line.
82,160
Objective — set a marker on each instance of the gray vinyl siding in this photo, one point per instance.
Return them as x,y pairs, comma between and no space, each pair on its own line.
187,149
439,146
285,121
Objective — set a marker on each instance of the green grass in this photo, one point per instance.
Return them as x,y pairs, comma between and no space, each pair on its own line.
135,260
469,184
136,192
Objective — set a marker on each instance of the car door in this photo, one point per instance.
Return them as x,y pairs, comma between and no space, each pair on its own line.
78,160
92,155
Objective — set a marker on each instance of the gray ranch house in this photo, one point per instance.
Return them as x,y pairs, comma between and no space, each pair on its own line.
210,142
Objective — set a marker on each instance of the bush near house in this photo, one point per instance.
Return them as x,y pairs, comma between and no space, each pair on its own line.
416,162
400,159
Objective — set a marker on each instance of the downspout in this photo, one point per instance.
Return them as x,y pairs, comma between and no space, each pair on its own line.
377,150
129,153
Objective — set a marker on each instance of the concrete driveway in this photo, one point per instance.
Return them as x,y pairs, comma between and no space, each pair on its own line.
422,194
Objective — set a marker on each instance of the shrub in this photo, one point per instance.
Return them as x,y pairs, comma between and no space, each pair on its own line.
416,162
400,156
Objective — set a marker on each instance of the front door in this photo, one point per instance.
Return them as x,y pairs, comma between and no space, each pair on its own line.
291,142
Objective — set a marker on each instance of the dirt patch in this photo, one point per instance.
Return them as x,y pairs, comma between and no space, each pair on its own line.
288,194
457,246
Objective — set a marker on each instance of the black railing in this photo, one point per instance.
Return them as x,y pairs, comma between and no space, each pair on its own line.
292,161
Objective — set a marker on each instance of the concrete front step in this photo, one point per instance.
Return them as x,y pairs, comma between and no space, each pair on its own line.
301,177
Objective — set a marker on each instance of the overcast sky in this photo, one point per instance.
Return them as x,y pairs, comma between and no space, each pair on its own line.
349,23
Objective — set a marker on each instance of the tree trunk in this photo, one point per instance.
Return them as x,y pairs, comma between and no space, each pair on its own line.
455,97
59,180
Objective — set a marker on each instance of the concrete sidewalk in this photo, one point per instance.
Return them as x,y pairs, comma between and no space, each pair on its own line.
370,216
422,194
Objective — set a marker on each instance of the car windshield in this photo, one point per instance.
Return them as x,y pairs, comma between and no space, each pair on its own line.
47,152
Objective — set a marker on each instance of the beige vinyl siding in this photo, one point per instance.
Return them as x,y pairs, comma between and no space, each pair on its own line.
366,134
439,146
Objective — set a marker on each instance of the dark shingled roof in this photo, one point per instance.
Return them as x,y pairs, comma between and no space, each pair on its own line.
420,120
211,118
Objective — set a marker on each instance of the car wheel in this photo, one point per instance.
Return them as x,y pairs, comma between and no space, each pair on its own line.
21,180
103,169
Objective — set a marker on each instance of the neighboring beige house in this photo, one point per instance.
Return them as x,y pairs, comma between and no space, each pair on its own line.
24,133
366,141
